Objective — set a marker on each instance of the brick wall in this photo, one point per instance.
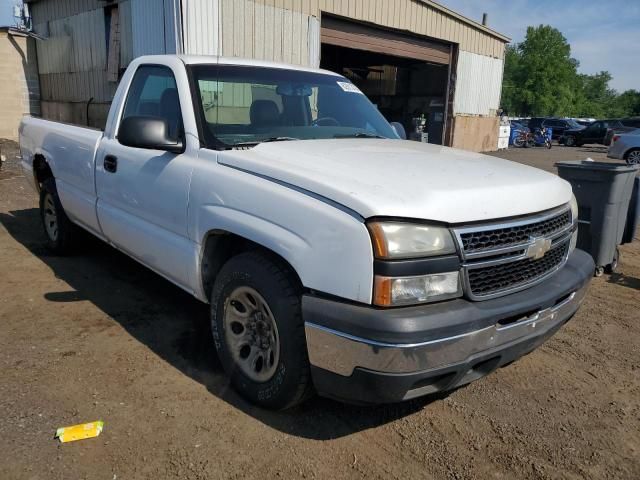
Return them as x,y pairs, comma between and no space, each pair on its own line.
19,84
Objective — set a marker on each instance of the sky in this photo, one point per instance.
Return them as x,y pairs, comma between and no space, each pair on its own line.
604,35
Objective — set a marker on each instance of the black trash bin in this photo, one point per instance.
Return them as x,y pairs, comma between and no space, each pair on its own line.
603,191
633,215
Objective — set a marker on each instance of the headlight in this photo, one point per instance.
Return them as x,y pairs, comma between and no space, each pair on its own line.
574,241
395,240
397,291
574,209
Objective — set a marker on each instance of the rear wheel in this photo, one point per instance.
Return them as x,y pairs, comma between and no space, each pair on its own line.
633,156
518,142
59,230
258,331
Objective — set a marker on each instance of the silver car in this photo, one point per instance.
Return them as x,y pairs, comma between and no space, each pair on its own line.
626,146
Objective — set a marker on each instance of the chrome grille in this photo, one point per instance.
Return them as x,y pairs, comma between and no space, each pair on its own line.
500,237
504,276
500,258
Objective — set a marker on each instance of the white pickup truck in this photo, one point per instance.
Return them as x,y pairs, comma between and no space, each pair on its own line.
336,256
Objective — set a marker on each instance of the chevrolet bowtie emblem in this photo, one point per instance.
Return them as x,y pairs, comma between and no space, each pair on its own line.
539,246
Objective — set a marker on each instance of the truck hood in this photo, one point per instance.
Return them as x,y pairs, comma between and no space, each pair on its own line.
380,177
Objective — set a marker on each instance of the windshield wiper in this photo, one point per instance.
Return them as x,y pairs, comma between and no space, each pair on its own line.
266,140
359,135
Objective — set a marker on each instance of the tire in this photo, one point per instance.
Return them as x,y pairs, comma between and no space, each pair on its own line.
245,331
518,142
599,271
632,157
548,144
59,230
570,141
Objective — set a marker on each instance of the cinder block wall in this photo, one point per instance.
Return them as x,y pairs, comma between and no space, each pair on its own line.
20,88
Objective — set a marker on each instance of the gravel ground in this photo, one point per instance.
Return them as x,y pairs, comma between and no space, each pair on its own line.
97,336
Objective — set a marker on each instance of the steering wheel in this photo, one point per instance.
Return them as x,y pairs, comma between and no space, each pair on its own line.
325,122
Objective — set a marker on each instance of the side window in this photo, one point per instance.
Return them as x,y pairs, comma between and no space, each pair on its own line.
153,93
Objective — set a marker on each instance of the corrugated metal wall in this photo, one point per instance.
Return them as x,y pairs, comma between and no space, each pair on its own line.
155,26
478,84
279,29
201,26
417,16
248,28
73,60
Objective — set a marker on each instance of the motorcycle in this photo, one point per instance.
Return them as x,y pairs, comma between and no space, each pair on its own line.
539,136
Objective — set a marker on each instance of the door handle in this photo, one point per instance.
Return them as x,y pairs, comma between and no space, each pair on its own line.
110,164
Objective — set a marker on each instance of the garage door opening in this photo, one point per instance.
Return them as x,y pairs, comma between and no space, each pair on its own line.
405,77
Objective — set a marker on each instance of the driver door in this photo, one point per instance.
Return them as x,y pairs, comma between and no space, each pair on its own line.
143,193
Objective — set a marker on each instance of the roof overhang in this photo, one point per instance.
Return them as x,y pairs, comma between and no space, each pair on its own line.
466,20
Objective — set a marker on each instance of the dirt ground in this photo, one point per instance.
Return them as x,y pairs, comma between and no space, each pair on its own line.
97,336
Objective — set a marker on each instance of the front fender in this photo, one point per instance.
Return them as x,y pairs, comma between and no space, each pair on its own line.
329,249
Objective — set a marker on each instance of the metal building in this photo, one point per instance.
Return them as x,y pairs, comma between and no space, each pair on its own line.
411,57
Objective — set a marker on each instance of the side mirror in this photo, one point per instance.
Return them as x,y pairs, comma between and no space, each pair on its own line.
148,132
397,126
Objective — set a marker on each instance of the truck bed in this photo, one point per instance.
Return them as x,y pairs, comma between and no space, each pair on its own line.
70,151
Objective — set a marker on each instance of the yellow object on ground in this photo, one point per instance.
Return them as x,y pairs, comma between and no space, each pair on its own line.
79,432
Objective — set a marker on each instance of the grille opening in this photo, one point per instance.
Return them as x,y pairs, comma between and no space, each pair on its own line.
506,276
513,235
517,318
562,299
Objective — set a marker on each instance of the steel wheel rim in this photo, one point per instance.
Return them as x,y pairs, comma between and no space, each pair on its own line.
634,157
251,334
50,217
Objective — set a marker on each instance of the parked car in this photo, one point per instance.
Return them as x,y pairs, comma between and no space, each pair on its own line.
334,255
628,125
584,121
626,146
596,132
560,125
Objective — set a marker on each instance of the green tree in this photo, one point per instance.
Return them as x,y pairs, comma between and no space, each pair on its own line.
594,98
627,104
540,74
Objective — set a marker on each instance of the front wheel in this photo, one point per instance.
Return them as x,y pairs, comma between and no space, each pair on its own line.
518,142
570,141
548,143
258,332
633,157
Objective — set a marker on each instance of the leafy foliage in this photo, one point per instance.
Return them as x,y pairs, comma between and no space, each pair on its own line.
541,79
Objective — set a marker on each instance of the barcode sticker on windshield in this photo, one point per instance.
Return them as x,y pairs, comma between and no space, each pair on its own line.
349,87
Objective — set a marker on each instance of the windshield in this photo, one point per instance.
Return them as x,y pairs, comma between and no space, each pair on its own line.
242,105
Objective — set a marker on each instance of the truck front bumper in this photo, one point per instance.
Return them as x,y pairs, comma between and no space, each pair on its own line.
361,354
